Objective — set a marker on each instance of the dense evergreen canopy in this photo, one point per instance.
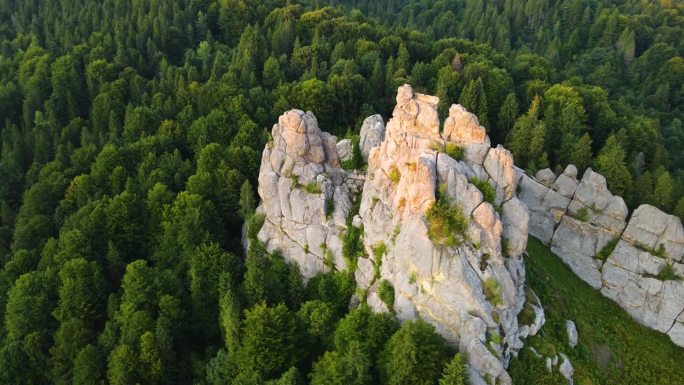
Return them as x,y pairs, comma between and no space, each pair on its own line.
131,136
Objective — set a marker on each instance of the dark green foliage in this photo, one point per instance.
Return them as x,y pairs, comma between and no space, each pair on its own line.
352,246
415,354
455,372
386,293
268,342
131,136
268,278
488,192
352,366
369,329
608,249
446,223
335,288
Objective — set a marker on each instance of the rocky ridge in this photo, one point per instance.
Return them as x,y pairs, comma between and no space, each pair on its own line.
588,228
471,290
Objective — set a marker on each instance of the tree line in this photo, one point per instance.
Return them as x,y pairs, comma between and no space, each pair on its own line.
131,137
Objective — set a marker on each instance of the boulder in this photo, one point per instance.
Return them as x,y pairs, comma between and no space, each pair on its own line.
566,368
651,228
577,244
463,127
372,134
499,165
571,330
344,149
515,226
545,177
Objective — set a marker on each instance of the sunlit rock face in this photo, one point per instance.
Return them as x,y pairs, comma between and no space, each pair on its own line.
444,285
471,290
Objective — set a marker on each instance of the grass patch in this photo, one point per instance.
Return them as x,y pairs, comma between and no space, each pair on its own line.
492,291
608,249
329,207
613,348
455,151
436,146
667,273
394,174
329,260
386,294
352,245
378,250
413,277
446,222
582,214
488,192
312,188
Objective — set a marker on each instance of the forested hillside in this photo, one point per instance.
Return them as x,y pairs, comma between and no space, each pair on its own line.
131,136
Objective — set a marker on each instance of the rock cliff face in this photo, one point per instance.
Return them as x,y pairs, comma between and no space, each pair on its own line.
637,263
445,285
305,195
470,289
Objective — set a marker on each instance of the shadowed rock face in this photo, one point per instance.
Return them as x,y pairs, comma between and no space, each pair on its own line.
300,181
579,218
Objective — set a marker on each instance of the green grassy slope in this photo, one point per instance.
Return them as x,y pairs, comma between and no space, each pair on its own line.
612,349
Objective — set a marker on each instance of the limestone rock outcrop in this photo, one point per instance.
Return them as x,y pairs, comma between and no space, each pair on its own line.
587,227
468,291
344,149
372,134
471,288
305,195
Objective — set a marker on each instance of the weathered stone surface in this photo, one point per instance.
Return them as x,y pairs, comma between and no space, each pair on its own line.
565,185
571,171
463,126
499,165
593,193
545,177
571,330
576,243
443,285
651,228
515,226
372,134
586,216
629,277
299,184
344,149
545,206
566,368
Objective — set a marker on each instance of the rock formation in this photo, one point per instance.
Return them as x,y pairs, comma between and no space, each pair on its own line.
305,195
445,285
372,134
587,228
470,288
